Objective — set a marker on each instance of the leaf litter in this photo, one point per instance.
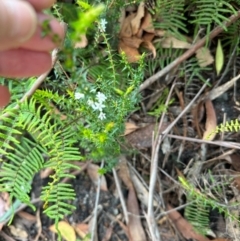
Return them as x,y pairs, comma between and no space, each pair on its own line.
137,31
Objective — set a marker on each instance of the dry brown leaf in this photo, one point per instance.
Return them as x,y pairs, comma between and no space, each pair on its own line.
93,172
148,45
129,128
66,230
148,37
82,229
126,29
136,232
211,121
18,232
136,21
82,43
132,54
184,226
204,57
160,33
132,42
172,42
142,138
27,216
147,24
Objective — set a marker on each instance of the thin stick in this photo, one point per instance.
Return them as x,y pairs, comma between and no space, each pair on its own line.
125,212
188,53
218,143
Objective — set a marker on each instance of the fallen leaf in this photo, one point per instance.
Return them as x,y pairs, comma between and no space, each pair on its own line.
132,42
204,57
135,229
147,24
136,21
183,226
148,45
82,229
66,230
148,37
132,54
142,138
129,128
211,121
93,172
172,42
18,232
126,29
31,218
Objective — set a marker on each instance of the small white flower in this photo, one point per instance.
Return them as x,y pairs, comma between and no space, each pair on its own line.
103,24
91,103
78,96
101,97
98,106
102,116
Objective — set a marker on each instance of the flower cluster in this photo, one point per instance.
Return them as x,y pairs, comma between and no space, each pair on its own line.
97,105
102,25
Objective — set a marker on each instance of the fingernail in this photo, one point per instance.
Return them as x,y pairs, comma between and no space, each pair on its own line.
22,20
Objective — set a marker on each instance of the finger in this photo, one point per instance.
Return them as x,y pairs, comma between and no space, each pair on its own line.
20,63
41,4
49,42
5,96
18,21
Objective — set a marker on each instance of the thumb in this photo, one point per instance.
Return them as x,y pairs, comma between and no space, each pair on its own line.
18,23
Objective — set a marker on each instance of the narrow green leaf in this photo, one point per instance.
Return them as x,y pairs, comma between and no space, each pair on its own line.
219,59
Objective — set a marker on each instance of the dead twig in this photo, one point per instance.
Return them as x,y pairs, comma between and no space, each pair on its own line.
188,53
125,212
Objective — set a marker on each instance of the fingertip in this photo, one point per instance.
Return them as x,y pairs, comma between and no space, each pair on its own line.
18,21
5,96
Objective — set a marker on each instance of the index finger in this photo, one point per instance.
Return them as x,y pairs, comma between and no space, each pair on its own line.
41,4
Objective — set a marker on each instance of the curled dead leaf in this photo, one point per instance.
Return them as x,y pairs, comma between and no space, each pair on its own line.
132,54
211,121
147,24
136,21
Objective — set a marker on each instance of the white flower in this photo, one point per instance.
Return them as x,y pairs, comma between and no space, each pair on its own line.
103,24
91,103
101,97
102,116
78,96
98,106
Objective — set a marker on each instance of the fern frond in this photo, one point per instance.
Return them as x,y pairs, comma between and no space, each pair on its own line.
170,16
18,172
198,215
208,12
232,126
57,206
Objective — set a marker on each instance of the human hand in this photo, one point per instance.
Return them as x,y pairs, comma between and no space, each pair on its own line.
23,52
